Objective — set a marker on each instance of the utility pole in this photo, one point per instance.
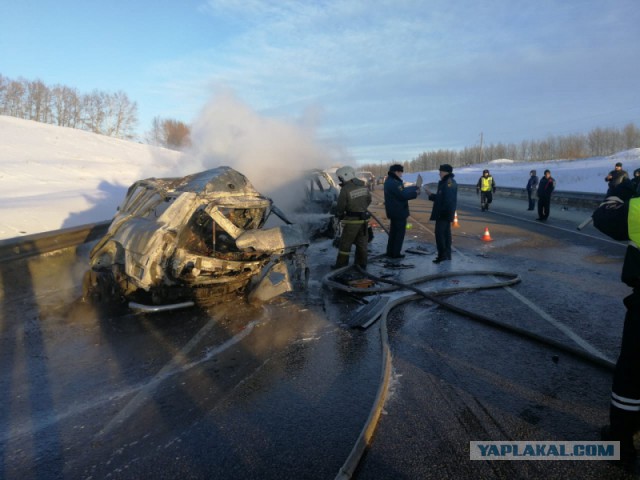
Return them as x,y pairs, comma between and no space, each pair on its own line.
480,147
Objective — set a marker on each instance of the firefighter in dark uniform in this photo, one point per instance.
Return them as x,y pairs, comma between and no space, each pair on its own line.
353,201
624,412
443,212
396,205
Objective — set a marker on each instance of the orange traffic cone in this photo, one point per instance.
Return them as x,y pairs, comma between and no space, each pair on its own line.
455,220
486,237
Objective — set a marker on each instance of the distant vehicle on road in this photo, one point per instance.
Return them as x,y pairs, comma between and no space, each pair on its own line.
368,178
196,240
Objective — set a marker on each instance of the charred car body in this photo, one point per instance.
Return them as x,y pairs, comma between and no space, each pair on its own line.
195,240
319,206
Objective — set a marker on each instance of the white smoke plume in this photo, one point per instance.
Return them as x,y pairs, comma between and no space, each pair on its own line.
270,152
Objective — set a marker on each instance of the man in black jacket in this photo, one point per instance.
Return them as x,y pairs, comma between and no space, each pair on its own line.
615,178
532,185
624,411
396,204
545,188
443,212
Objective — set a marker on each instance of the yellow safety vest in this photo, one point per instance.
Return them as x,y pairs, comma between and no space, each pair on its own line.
633,220
485,186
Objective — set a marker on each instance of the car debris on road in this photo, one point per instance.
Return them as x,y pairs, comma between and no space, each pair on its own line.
196,240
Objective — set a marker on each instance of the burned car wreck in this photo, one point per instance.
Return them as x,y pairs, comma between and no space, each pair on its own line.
196,240
316,213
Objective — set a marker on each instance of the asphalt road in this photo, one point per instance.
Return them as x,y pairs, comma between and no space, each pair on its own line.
283,390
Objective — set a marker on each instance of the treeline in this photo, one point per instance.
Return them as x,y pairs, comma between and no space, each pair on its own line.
111,114
598,142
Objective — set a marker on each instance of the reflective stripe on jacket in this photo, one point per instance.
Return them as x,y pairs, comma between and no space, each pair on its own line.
634,220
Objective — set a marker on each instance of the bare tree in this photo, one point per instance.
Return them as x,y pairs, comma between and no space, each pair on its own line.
93,111
14,99
37,102
124,115
169,133
65,105
176,134
4,83
154,136
631,135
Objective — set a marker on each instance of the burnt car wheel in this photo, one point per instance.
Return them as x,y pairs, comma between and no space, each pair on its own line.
100,287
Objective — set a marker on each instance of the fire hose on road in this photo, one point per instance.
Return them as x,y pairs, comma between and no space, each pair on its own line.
364,439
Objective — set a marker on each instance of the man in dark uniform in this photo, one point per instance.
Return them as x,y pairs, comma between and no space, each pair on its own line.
545,188
396,204
443,212
624,412
635,181
532,185
353,201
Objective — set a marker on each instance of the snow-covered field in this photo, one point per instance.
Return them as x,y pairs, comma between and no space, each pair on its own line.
585,175
54,177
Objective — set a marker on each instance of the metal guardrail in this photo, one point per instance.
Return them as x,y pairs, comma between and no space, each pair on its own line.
39,243
571,199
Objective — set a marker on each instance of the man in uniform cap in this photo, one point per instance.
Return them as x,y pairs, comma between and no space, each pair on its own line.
396,204
443,212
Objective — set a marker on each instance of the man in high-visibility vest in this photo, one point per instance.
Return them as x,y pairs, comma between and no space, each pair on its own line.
624,413
485,187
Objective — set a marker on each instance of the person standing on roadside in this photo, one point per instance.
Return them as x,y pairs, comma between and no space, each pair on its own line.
353,202
545,188
635,181
615,178
443,212
624,408
396,205
485,187
532,185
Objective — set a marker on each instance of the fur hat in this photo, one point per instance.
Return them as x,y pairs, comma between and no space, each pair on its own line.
396,168
446,168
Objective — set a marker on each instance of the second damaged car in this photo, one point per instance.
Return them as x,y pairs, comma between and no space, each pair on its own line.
196,240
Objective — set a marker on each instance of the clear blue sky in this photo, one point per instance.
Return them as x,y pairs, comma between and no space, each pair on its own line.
387,80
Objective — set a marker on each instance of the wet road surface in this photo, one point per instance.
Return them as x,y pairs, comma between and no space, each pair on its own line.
282,390
458,381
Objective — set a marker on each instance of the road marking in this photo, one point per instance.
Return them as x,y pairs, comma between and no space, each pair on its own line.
176,365
576,232
560,326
